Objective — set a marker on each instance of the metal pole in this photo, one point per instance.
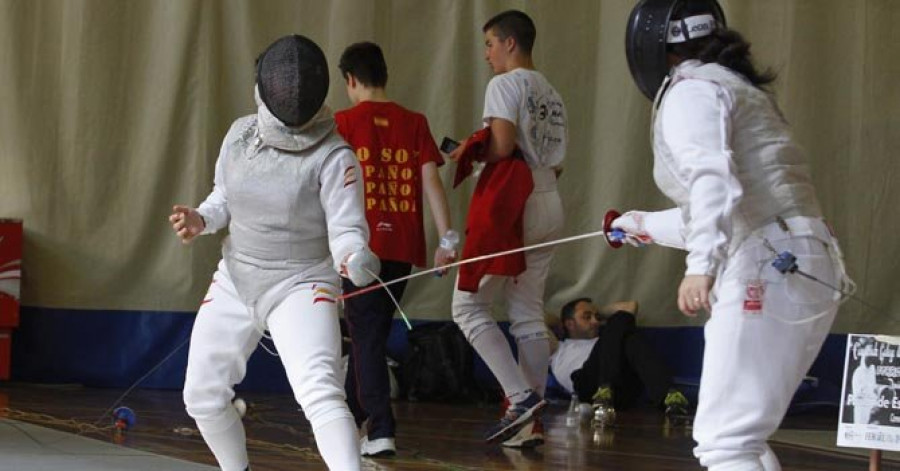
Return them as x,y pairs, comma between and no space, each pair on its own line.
874,460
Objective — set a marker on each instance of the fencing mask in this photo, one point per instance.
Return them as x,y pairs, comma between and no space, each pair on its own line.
654,24
292,78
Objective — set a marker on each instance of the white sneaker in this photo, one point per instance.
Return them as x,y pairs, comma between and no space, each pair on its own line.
530,436
378,447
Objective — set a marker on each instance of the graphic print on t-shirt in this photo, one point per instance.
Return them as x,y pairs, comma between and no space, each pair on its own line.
392,144
547,117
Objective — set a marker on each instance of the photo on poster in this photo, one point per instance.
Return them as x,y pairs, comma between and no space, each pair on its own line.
870,403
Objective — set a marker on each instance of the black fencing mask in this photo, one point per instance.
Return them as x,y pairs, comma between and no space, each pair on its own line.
292,77
654,24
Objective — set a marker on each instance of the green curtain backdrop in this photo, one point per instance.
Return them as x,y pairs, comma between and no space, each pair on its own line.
113,111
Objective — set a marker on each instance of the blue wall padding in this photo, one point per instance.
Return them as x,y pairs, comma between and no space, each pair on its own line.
115,348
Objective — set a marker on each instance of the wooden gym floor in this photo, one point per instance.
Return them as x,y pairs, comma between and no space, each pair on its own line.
430,436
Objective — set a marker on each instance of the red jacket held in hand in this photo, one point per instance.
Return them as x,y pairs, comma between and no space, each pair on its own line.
496,213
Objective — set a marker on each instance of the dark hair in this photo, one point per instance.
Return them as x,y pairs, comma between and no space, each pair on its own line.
364,61
728,48
568,312
724,46
516,24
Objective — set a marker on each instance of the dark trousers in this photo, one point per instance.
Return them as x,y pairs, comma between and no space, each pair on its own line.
369,317
624,360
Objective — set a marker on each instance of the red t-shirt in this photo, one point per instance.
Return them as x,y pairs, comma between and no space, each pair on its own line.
392,144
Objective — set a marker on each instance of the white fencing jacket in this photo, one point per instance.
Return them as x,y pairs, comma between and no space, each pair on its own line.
291,198
724,154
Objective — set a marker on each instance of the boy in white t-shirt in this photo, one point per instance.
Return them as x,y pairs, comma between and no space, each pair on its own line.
522,110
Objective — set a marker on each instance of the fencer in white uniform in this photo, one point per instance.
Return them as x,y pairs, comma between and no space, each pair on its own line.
724,154
291,198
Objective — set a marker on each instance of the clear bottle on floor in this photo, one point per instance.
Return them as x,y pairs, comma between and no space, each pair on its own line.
573,416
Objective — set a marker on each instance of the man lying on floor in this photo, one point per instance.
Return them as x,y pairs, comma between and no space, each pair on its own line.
610,366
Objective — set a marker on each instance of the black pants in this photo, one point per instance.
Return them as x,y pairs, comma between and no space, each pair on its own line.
623,359
369,317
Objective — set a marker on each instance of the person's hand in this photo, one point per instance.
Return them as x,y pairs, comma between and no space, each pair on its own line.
443,257
693,294
446,251
361,267
457,153
186,222
632,224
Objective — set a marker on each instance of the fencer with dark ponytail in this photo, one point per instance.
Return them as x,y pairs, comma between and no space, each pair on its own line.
728,160
723,46
728,48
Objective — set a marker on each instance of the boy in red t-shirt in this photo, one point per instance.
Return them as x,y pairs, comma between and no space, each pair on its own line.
399,160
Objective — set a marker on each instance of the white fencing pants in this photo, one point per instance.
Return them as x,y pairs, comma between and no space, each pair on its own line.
304,328
757,355
524,294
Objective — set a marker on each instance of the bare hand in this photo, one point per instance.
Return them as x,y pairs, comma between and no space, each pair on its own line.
457,153
443,257
693,294
186,222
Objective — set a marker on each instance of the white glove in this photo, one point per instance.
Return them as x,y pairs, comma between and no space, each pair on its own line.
361,267
632,224
652,227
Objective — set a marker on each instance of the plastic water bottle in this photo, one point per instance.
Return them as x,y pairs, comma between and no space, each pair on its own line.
450,240
573,416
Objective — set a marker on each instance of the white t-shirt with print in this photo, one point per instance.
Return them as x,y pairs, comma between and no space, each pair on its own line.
525,98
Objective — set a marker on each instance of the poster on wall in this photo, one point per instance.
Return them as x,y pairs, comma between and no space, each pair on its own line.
870,400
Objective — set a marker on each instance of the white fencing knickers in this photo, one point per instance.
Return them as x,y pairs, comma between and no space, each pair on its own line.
756,352
524,294
304,328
